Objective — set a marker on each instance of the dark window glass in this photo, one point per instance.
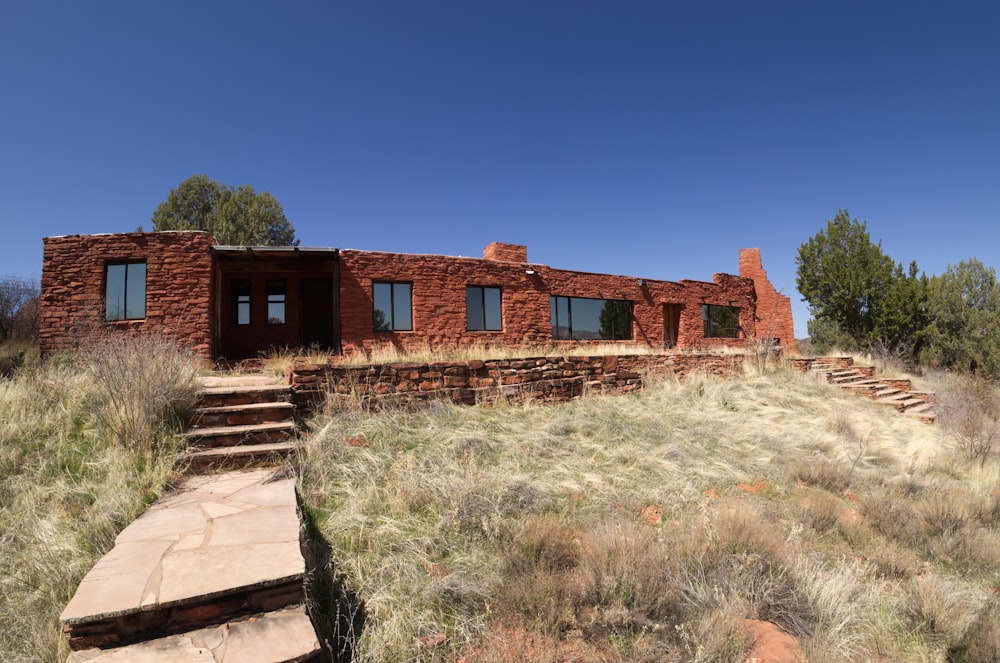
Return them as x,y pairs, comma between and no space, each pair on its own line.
720,321
482,309
125,291
275,302
392,306
582,318
241,302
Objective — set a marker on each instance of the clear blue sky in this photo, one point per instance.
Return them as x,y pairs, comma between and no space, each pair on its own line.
645,138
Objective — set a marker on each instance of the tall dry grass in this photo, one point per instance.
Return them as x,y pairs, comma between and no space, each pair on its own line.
70,480
276,360
645,527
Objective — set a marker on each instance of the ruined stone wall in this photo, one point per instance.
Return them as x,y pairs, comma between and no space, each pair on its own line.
549,379
439,306
774,310
179,287
508,252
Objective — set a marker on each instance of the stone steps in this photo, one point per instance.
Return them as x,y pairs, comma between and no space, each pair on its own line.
241,415
229,436
239,424
239,456
840,372
213,572
240,394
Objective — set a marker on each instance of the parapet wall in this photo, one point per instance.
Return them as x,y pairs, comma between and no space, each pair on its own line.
548,379
774,310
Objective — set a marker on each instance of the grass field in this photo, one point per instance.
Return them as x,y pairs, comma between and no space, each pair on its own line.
632,528
643,528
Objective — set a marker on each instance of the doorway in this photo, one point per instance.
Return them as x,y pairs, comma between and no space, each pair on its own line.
671,324
317,312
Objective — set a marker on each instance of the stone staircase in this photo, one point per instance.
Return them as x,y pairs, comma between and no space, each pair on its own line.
214,571
895,392
235,424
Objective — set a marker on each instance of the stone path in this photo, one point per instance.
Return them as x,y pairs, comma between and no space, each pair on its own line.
212,572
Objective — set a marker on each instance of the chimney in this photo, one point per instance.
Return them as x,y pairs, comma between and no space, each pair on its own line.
506,252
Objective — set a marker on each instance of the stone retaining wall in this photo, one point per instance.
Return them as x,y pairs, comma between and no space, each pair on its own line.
549,379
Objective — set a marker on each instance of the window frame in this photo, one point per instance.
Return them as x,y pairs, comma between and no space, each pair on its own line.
242,288
564,303
715,328
124,307
276,299
390,318
469,292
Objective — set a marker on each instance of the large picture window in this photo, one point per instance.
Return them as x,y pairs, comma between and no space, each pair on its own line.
393,306
275,302
582,318
125,291
482,309
720,321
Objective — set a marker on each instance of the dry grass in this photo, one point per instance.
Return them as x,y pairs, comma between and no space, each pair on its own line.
644,527
67,487
277,359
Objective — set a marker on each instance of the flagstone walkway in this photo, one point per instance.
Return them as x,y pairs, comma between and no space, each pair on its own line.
212,572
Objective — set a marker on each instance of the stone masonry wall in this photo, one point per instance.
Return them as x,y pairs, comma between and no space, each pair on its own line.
774,310
549,379
178,287
508,252
439,306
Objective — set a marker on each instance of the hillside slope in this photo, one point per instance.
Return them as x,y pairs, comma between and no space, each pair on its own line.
646,527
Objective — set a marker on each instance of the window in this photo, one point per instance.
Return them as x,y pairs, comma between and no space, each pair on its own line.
125,291
720,321
482,309
275,302
241,302
392,310
581,318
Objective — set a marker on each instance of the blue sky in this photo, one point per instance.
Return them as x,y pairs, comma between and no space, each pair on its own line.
652,139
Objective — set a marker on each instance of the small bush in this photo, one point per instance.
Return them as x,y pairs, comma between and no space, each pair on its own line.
970,411
940,607
891,514
981,641
141,379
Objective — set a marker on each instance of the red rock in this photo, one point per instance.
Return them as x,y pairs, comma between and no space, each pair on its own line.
771,645
652,514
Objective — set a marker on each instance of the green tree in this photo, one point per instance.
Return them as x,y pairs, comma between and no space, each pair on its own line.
964,307
856,293
616,320
236,216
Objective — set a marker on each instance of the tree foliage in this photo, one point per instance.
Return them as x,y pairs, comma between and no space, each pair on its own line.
964,306
616,320
857,294
18,309
236,216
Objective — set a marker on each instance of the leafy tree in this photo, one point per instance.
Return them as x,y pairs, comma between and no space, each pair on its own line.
856,292
964,307
616,320
234,215
18,308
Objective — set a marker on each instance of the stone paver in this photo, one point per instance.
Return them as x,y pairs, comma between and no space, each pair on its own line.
217,534
256,380
285,635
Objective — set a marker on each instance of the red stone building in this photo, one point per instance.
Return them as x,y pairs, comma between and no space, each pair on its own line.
234,302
